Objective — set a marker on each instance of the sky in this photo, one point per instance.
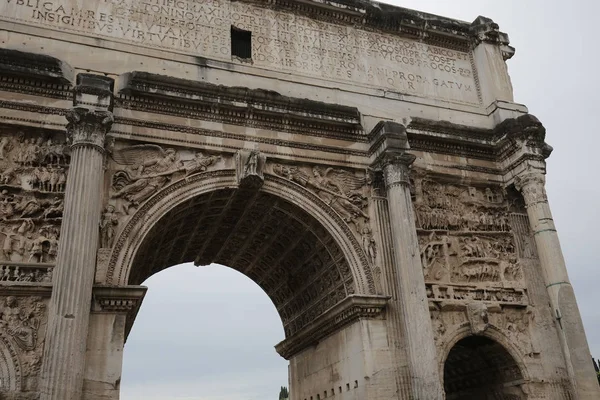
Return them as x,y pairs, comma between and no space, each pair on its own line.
208,333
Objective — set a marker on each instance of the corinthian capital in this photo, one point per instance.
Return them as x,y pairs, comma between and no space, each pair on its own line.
88,127
532,186
396,168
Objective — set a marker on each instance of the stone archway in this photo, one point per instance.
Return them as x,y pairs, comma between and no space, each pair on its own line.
480,368
279,245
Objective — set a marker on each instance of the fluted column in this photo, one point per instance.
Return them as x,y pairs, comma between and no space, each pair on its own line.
389,286
425,383
68,315
562,297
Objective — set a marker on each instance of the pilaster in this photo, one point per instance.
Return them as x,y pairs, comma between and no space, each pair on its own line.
391,145
531,183
69,311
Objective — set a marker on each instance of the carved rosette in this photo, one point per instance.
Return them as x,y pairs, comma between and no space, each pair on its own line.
532,186
88,128
396,169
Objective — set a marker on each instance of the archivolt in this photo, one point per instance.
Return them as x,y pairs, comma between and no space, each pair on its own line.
464,331
10,367
283,237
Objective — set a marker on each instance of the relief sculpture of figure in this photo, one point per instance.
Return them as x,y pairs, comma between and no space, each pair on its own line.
10,237
18,324
151,169
368,242
199,163
54,209
4,147
7,208
338,189
251,163
109,221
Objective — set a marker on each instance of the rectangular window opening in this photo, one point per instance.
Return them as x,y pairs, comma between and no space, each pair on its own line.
241,43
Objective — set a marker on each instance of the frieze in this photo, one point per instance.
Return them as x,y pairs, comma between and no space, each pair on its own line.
16,272
457,296
234,136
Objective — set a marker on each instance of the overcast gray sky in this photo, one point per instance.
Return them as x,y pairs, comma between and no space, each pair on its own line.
208,333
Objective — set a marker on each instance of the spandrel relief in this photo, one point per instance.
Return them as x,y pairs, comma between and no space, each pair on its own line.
139,171
344,191
32,183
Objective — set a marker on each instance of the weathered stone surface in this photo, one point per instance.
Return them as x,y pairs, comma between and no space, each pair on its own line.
366,166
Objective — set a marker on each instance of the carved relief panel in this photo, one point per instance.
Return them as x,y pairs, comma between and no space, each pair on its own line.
473,247
33,174
138,171
345,191
467,246
22,329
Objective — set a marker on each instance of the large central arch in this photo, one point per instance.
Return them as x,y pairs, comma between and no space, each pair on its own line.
282,236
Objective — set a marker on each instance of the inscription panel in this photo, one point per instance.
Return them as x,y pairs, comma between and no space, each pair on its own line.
280,40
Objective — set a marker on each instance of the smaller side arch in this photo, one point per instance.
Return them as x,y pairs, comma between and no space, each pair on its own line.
460,353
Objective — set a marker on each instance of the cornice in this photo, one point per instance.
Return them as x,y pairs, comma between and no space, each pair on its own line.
497,144
264,109
349,310
35,74
125,300
427,28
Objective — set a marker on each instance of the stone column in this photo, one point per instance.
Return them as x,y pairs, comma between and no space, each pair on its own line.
562,298
393,311
63,364
424,379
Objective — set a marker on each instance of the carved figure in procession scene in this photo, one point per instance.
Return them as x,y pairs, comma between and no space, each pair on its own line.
28,207
150,169
5,147
10,237
54,153
36,253
55,209
7,207
109,222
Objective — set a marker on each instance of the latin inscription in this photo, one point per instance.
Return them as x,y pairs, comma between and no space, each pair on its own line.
280,40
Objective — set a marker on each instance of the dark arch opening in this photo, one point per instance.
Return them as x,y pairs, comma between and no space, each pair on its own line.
479,368
282,248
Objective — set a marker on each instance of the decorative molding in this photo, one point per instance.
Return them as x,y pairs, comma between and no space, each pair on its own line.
234,136
124,299
88,128
429,28
257,108
351,309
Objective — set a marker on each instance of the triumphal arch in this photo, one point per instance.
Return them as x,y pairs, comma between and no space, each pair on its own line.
365,164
